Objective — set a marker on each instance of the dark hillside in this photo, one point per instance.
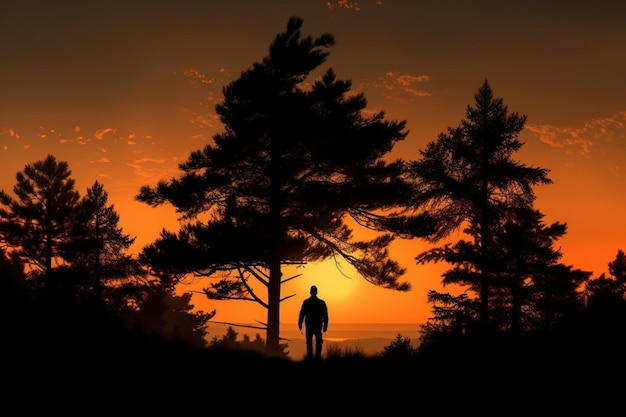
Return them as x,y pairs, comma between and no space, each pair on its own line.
58,364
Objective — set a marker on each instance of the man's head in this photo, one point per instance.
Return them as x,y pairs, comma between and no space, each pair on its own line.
313,290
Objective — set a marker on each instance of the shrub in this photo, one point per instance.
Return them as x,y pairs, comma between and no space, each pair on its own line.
399,349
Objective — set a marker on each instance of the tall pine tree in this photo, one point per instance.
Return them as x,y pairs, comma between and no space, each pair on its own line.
280,183
99,249
468,178
38,220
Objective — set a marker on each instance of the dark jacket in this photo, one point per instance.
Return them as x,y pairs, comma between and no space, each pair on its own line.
314,313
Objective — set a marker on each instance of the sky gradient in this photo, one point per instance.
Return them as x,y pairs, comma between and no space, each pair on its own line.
125,90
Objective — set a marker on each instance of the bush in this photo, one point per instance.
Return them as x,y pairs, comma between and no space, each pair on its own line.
400,348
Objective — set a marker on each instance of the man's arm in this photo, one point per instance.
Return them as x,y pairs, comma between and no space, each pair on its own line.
325,316
301,317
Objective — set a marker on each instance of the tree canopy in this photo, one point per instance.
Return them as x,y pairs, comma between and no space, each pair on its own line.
295,170
468,179
39,219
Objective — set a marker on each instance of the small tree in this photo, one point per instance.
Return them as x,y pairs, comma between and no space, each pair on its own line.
98,248
230,341
171,317
13,291
38,221
617,269
533,290
400,348
606,296
452,318
529,289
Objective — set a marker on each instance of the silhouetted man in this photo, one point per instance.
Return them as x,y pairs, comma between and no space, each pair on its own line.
314,313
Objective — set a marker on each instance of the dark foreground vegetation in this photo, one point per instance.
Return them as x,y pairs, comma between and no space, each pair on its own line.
70,363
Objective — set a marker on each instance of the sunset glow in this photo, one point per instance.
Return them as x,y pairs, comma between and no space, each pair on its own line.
124,94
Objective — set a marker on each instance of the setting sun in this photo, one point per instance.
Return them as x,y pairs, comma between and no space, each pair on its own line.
336,281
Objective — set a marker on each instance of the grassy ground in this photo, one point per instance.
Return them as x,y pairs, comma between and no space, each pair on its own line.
64,366
135,377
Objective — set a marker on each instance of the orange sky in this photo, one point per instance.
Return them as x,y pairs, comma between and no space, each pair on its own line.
125,92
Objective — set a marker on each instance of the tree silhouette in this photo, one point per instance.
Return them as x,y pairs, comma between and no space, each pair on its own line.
38,221
171,317
533,290
229,341
606,296
451,317
617,269
99,249
400,348
468,177
279,185
13,292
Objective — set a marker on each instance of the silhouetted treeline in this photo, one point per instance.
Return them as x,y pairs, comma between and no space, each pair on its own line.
64,252
294,170
508,266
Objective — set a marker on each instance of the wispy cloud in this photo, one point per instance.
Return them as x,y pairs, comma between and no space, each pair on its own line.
212,84
202,113
77,136
399,87
101,132
583,140
348,4
617,171
51,133
203,120
196,77
105,138
44,132
343,4
9,132
151,168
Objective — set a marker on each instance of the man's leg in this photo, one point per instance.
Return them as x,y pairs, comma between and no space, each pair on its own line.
318,345
309,344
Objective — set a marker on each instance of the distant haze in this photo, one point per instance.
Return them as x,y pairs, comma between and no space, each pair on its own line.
370,339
